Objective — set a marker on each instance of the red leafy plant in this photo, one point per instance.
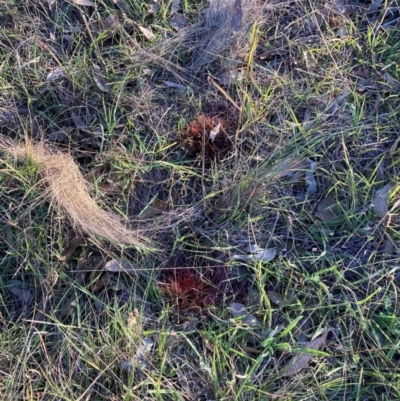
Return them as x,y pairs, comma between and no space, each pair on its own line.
208,134
189,290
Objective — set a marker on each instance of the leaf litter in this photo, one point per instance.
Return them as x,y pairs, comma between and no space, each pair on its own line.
99,79
380,203
18,288
301,360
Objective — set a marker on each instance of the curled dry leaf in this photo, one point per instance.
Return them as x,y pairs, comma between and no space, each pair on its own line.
84,3
18,288
179,89
238,311
146,32
178,22
155,208
381,201
230,77
54,74
309,59
301,360
99,79
265,255
118,265
73,242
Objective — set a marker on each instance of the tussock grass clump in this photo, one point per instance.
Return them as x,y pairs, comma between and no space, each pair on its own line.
68,190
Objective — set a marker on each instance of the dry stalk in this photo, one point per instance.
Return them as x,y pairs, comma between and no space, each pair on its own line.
68,190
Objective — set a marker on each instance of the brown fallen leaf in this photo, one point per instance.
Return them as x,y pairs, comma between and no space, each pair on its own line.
101,283
300,361
178,88
99,79
276,297
120,265
328,208
18,288
155,208
381,201
73,242
178,21
146,32
54,74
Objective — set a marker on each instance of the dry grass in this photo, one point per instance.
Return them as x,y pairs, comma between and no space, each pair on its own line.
69,191
311,86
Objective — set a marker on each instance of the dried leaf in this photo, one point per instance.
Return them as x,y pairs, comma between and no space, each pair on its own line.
180,89
301,360
236,22
239,311
310,180
230,77
147,32
74,241
393,148
388,245
18,288
328,209
99,79
309,59
68,306
175,6
141,355
154,8
155,208
107,28
84,3
101,283
276,297
265,255
120,265
253,248
178,22
54,74
394,83
380,202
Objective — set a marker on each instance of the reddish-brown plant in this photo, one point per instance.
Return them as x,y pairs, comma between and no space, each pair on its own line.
206,134
188,290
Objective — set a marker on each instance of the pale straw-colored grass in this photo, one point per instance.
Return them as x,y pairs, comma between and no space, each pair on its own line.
68,190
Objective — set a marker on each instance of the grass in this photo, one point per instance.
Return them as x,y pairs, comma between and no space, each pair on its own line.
162,325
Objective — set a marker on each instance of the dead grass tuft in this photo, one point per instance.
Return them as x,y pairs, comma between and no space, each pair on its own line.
70,192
